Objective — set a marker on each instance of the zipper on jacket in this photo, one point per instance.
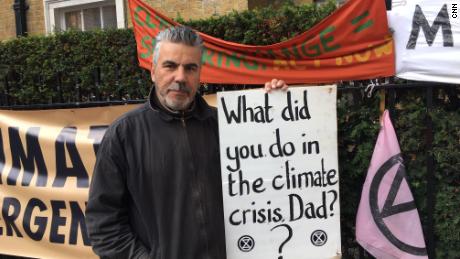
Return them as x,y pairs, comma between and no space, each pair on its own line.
183,120
198,191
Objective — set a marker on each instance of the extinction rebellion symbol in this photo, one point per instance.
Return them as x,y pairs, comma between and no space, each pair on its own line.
318,237
246,243
389,208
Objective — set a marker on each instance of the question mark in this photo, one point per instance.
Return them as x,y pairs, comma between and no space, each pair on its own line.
280,249
331,207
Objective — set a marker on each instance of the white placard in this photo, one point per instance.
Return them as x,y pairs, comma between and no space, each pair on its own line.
280,175
427,39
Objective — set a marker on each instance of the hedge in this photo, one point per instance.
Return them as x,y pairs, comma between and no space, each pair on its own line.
102,65
48,69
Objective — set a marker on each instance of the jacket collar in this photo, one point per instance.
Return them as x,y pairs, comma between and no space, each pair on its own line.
199,110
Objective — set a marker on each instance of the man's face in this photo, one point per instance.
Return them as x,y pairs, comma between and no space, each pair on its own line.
177,75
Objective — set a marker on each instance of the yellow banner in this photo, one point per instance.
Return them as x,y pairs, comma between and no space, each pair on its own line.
46,162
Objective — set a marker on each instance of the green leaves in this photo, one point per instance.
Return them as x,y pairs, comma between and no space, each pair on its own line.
37,66
266,25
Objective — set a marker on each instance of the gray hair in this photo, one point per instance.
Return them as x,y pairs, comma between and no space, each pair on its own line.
177,34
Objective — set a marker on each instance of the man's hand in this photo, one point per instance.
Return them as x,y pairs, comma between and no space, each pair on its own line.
275,84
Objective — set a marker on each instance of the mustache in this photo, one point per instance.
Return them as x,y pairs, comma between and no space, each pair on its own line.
179,87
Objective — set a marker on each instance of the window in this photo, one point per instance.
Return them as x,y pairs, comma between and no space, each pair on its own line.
83,15
85,18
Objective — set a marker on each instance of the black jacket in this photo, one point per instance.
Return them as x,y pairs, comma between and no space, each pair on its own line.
156,189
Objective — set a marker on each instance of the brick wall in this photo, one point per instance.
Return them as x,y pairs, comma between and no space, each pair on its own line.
195,9
7,24
35,19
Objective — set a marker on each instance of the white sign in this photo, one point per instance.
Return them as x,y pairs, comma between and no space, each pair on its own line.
280,173
427,39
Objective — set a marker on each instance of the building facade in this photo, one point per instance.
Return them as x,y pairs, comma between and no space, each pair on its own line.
43,17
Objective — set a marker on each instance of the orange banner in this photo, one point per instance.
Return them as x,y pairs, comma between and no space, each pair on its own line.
353,43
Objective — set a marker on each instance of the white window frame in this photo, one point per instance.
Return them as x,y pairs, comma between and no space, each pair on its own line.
52,8
80,8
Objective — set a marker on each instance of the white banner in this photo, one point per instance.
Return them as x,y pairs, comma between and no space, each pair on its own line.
427,39
280,173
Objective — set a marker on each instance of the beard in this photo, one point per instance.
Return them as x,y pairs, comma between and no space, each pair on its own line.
177,103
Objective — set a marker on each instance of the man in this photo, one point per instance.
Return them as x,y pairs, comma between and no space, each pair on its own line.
156,189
